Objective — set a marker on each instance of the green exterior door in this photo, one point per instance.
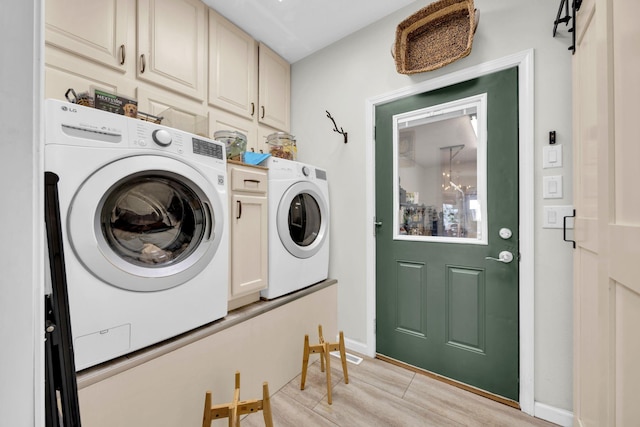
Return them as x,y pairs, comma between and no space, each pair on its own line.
447,226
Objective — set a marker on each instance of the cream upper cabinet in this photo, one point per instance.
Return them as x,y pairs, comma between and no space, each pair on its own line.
93,29
249,221
247,78
274,86
172,45
233,67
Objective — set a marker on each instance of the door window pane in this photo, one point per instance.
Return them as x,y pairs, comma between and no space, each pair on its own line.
440,172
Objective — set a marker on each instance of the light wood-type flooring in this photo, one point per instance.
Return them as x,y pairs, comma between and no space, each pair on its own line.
385,395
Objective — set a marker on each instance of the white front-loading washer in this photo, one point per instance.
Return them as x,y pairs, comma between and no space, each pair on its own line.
298,226
144,211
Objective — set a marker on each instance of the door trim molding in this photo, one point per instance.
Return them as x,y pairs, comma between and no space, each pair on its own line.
525,62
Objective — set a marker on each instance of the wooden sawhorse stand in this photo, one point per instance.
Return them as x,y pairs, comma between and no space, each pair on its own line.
238,407
324,349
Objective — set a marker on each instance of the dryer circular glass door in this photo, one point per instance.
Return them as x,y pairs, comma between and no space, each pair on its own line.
146,223
302,220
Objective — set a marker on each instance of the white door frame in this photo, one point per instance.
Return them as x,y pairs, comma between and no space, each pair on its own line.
524,62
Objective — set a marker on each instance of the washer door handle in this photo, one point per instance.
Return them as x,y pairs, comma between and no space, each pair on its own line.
209,214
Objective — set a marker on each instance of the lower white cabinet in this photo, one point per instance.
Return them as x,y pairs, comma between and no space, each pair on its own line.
248,209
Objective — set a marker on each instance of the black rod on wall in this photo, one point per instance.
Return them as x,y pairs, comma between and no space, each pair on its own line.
335,127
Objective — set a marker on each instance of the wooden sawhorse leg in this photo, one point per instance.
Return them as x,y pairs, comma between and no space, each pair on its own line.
324,349
238,407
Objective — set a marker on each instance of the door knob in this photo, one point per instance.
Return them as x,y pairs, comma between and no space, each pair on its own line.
504,256
505,233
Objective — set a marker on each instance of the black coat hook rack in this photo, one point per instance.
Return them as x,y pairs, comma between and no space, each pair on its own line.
564,4
335,127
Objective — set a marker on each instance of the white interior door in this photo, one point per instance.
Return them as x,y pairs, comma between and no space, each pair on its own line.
607,230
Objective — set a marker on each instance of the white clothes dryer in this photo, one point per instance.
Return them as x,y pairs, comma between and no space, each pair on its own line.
298,226
144,216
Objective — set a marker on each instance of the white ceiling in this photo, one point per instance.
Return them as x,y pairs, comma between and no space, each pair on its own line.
297,28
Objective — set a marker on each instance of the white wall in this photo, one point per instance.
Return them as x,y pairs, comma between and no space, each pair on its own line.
21,303
340,79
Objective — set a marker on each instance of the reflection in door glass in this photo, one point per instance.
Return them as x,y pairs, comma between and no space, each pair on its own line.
440,174
304,219
152,220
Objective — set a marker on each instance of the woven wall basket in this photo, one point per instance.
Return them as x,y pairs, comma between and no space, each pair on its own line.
434,36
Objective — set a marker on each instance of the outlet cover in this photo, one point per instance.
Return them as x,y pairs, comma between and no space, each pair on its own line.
552,187
552,156
554,216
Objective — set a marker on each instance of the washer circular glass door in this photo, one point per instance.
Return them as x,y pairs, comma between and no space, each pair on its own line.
146,223
152,220
303,219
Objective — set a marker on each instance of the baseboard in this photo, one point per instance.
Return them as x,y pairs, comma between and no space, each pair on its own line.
554,415
357,347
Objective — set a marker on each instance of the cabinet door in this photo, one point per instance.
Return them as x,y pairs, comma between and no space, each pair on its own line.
172,44
93,29
180,113
233,66
263,133
56,82
248,244
274,89
222,120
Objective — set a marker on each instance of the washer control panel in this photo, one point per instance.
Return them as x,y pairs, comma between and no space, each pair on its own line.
151,135
207,148
161,137
72,124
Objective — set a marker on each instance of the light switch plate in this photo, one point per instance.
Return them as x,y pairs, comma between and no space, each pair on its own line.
552,187
554,216
552,156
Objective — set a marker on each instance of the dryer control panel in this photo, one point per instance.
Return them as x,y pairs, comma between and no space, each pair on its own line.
287,169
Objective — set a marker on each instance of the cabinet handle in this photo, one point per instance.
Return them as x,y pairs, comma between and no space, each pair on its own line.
143,64
122,54
564,229
253,108
239,203
256,181
262,111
